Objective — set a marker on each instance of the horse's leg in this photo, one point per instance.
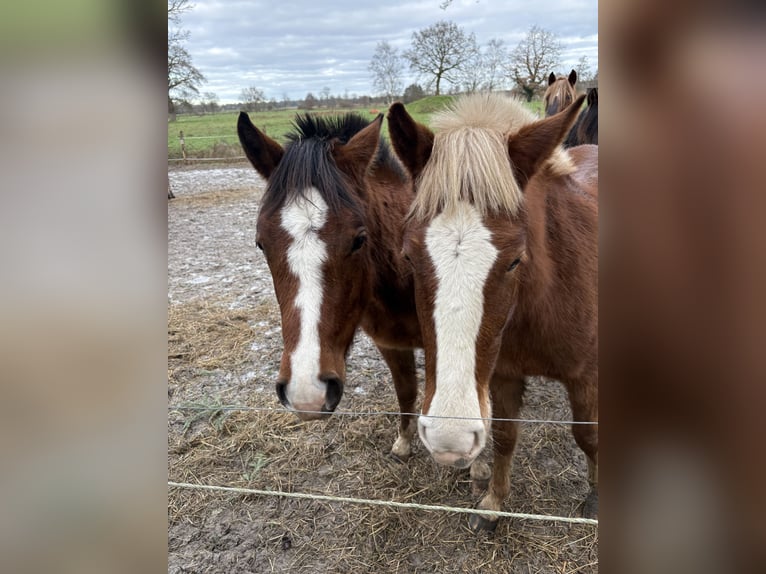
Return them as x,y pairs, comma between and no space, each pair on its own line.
480,474
583,397
402,366
507,396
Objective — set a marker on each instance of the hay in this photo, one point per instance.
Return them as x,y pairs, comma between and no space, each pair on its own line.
207,335
347,456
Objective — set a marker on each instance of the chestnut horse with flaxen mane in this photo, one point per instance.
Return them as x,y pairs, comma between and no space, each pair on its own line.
560,93
502,239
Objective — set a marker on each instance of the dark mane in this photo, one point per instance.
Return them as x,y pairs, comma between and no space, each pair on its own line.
308,162
314,126
585,129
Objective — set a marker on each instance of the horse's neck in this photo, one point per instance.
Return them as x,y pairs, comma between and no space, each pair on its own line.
390,317
541,242
540,263
557,214
386,209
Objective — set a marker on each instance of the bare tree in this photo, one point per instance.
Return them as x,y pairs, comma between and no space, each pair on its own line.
209,103
324,96
252,98
386,68
470,77
310,101
583,69
494,60
441,52
184,79
176,8
485,68
538,53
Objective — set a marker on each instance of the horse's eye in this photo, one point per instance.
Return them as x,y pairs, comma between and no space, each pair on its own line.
359,241
513,265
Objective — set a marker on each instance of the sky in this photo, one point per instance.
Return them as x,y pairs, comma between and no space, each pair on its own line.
287,48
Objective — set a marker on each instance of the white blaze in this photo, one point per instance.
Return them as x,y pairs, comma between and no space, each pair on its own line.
303,219
462,254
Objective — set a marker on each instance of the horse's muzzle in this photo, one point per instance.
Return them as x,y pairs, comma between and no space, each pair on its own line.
322,407
456,443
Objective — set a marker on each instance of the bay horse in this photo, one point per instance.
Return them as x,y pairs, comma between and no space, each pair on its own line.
560,92
585,129
502,240
330,227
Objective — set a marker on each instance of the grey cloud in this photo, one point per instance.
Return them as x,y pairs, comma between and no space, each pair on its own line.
297,46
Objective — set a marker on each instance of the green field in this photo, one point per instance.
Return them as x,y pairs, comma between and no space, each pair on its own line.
215,135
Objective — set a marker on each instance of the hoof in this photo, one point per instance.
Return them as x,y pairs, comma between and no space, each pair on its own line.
590,505
400,458
402,449
480,523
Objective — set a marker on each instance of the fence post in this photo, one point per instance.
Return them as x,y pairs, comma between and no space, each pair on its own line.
183,144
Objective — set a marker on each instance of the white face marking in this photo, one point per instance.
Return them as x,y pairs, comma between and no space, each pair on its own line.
303,219
462,254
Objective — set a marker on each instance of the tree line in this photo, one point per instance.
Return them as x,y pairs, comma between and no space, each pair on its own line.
445,53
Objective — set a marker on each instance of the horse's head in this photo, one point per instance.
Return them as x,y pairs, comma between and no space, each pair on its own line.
559,93
312,231
466,240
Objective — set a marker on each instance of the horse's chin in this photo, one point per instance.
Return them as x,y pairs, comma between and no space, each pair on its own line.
313,414
305,417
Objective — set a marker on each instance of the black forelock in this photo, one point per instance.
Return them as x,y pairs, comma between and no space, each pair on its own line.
313,126
307,161
343,128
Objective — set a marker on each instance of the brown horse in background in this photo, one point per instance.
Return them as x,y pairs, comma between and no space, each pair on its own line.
560,93
502,239
585,130
330,227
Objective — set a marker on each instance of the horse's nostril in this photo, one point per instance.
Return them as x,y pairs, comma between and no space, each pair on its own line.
334,392
282,394
477,442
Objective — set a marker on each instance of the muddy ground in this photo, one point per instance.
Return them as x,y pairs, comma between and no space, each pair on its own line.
224,345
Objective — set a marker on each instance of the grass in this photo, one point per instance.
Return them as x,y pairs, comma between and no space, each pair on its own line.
215,135
207,133
426,106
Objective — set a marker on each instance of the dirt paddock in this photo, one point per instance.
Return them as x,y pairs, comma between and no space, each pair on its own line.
224,345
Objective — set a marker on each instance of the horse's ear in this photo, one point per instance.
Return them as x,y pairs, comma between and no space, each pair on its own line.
412,141
262,151
592,96
551,79
356,155
572,78
533,144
